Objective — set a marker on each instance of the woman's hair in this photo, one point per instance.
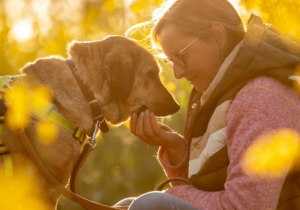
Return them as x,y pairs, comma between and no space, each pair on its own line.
195,17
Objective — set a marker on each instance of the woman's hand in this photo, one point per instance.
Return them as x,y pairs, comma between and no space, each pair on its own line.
152,133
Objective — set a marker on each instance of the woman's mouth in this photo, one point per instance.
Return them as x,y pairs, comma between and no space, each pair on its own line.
191,80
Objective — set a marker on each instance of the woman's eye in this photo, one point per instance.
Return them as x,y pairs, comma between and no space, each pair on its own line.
152,75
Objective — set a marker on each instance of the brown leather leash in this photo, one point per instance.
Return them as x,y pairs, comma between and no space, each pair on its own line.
90,205
161,186
88,148
79,163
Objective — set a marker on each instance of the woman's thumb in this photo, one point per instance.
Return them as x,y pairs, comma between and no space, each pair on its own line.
165,127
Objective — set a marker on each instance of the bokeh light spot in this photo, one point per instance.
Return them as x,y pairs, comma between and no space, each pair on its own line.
171,86
42,97
19,192
16,113
47,132
271,154
22,30
109,5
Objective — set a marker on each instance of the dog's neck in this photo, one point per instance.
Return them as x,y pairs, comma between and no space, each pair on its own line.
89,96
96,79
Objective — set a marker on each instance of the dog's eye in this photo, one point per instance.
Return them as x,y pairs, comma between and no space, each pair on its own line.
151,74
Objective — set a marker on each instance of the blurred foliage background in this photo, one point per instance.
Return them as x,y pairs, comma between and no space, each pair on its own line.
121,165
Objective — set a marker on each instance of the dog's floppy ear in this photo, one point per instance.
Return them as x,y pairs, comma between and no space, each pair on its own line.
120,69
87,54
78,49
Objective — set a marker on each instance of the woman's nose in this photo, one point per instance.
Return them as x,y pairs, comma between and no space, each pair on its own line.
178,71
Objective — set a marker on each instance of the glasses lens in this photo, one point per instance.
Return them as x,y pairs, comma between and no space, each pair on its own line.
169,62
178,60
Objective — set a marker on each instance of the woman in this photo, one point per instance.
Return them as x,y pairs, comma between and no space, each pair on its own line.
243,89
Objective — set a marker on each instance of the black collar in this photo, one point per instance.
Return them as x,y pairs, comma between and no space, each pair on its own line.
89,96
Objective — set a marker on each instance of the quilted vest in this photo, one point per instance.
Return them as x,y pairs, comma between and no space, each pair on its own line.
265,50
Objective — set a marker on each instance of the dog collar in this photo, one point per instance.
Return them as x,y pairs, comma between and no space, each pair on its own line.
98,115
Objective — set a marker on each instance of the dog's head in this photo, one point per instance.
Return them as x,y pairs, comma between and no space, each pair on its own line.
123,76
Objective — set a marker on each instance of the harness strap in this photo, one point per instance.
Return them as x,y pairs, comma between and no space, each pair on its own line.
58,119
1,120
90,205
2,107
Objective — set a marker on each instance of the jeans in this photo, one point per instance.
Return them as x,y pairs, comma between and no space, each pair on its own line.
158,200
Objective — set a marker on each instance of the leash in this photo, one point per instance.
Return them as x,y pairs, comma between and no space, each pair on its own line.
161,186
88,148
90,205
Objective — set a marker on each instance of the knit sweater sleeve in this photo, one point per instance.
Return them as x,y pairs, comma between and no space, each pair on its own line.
255,111
180,170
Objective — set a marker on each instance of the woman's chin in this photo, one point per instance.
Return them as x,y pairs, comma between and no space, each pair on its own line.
199,88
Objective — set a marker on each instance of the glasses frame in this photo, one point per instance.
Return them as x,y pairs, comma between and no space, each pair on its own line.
177,58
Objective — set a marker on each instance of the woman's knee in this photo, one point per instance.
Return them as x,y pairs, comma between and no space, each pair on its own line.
149,201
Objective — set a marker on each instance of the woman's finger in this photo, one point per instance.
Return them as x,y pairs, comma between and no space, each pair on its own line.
133,121
165,127
156,129
147,126
140,129
140,126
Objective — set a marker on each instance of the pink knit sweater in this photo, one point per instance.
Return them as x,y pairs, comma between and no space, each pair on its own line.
269,106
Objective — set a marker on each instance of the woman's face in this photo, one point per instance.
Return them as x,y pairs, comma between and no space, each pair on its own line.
202,58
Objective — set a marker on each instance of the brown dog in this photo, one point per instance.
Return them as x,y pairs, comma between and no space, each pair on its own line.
124,78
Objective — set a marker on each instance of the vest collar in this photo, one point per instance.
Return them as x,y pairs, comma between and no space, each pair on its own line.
221,72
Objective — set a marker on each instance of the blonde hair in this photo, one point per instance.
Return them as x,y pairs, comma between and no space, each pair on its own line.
192,17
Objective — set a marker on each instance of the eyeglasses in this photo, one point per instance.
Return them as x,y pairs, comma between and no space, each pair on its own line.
177,58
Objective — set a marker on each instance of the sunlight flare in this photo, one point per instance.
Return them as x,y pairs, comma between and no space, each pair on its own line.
22,30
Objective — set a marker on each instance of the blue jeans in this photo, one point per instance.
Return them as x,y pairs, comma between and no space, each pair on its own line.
158,200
